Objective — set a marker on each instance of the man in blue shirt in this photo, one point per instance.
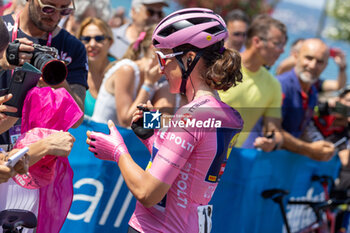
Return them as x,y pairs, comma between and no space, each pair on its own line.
300,98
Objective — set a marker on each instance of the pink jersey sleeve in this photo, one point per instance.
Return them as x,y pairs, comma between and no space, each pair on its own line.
172,155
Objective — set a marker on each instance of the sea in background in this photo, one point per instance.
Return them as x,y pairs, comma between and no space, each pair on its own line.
301,20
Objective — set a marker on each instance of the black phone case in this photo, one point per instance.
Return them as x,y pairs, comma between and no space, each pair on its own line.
22,80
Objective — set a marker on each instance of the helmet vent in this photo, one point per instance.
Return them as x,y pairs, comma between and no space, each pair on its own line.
155,42
183,24
215,29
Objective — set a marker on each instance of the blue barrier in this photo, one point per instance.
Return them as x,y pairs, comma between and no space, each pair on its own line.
102,202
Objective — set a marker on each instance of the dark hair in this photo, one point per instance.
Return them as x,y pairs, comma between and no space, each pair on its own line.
223,65
237,15
4,38
261,25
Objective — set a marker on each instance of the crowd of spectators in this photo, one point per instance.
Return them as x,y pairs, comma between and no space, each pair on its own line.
112,68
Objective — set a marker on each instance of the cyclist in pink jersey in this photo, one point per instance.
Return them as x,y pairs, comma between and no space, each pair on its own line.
190,153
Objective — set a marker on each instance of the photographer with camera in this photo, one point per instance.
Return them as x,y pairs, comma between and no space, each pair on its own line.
38,40
37,150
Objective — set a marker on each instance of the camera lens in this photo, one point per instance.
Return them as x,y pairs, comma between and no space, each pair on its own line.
53,70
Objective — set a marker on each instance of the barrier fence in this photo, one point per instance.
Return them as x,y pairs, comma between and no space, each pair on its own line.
102,202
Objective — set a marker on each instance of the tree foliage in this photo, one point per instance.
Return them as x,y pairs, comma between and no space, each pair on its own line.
222,7
339,11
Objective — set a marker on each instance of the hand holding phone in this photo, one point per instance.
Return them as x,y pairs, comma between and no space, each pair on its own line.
16,157
137,126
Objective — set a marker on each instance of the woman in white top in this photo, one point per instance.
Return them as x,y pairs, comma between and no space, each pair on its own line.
129,82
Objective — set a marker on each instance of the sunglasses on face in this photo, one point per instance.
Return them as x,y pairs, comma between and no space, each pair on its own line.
279,45
49,9
151,12
162,58
98,39
242,34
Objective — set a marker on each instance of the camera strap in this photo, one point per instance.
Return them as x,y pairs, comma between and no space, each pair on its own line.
15,31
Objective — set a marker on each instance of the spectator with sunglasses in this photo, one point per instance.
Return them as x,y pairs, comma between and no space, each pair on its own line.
128,82
237,25
97,37
37,23
143,13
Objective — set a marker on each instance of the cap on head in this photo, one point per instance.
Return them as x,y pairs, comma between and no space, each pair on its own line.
199,27
137,3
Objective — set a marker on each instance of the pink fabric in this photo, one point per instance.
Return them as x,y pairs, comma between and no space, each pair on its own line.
44,112
47,108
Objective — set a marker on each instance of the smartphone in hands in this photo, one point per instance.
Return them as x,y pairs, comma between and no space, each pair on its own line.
137,126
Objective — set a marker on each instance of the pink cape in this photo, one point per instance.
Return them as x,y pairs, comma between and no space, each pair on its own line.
45,111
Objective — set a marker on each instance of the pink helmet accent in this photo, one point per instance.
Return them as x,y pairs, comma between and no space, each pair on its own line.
199,27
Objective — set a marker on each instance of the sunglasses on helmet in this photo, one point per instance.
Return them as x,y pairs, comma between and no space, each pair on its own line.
98,39
162,58
49,9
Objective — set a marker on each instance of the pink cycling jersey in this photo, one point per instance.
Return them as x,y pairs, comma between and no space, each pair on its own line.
190,155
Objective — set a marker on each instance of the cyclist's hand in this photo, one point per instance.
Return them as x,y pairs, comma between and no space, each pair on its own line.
138,114
321,150
107,147
264,143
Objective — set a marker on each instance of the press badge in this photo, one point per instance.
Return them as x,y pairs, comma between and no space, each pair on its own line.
15,132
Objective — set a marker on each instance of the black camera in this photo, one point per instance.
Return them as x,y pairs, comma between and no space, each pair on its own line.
44,58
324,109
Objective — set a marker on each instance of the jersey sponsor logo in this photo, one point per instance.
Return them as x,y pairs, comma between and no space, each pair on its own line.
168,161
181,184
222,169
196,105
212,178
180,141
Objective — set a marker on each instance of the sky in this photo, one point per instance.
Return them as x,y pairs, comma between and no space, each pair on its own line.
319,4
